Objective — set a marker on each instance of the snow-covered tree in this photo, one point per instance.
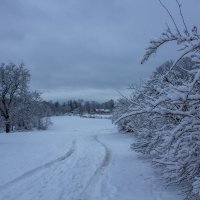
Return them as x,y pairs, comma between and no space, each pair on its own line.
13,84
165,114
181,157
18,105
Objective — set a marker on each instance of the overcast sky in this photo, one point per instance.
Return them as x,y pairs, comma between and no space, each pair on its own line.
86,48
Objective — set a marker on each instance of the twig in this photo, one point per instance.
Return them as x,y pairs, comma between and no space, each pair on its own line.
177,29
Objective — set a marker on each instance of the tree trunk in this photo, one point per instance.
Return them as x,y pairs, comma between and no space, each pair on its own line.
8,127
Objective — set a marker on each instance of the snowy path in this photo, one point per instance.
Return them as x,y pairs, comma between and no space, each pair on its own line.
77,159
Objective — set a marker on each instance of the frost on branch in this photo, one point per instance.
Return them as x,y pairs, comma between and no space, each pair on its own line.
188,41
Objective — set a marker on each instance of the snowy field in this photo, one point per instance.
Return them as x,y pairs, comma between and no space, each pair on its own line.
76,159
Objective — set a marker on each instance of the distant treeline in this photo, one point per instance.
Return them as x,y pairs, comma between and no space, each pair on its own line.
79,107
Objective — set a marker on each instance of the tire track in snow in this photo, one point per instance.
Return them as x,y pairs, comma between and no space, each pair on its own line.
107,157
37,169
99,171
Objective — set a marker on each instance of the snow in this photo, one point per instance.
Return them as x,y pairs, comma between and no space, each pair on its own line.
76,159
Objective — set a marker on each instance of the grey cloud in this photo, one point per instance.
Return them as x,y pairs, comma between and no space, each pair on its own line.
74,45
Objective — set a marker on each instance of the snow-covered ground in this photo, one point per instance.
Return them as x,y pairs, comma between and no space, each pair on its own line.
76,159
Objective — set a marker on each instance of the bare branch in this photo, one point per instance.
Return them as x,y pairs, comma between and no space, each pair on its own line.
177,29
183,20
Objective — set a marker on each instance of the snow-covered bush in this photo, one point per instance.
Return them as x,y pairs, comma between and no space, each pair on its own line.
165,113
